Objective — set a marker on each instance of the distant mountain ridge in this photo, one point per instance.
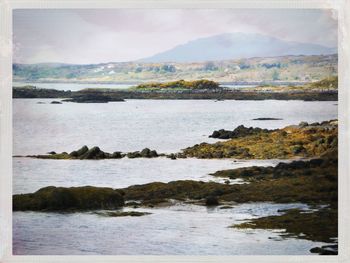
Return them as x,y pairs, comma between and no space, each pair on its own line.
236,46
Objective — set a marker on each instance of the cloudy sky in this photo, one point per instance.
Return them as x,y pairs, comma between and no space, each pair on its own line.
94,36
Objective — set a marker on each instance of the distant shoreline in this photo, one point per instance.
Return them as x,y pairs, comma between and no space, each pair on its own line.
119,95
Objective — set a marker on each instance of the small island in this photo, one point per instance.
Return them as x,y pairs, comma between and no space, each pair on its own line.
324,90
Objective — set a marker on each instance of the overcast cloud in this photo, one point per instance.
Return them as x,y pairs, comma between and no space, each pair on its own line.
95,36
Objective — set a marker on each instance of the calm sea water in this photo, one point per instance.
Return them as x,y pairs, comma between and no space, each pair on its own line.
33,174
163,125
166,126
175,230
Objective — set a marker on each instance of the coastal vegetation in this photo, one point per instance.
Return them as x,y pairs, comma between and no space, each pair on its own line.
303,140
327,84
182,84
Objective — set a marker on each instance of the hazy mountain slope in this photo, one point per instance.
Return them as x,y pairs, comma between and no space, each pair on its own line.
236,46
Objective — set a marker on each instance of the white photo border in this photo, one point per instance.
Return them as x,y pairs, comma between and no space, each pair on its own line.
341,7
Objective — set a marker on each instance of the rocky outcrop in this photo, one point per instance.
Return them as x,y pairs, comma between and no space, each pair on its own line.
240,131
303,140
74,198
145,153
95,153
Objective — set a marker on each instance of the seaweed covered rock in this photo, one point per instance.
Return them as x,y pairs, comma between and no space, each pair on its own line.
145,153
211,201
148,153
74,198
93,153
240,131
305,140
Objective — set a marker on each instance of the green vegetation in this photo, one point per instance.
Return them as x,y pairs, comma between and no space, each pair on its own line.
182,84
325,85
304,140
330,83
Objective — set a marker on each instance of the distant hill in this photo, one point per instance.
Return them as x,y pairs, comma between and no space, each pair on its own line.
259,69
236,46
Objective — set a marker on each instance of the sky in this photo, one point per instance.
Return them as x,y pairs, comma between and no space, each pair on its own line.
88,36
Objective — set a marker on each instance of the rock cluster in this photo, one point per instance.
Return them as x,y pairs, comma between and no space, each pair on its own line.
240,131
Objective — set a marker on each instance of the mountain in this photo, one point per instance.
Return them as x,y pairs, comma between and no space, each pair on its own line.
236,46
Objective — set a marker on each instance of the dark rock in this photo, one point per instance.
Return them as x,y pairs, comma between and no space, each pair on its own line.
172,156
82,150
133,155
92,97
74,154
55,102
211,201
316,162
52,152
117,155
122,214
240,131
93,153
303,124
325,250
145,153
266,119
74,198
